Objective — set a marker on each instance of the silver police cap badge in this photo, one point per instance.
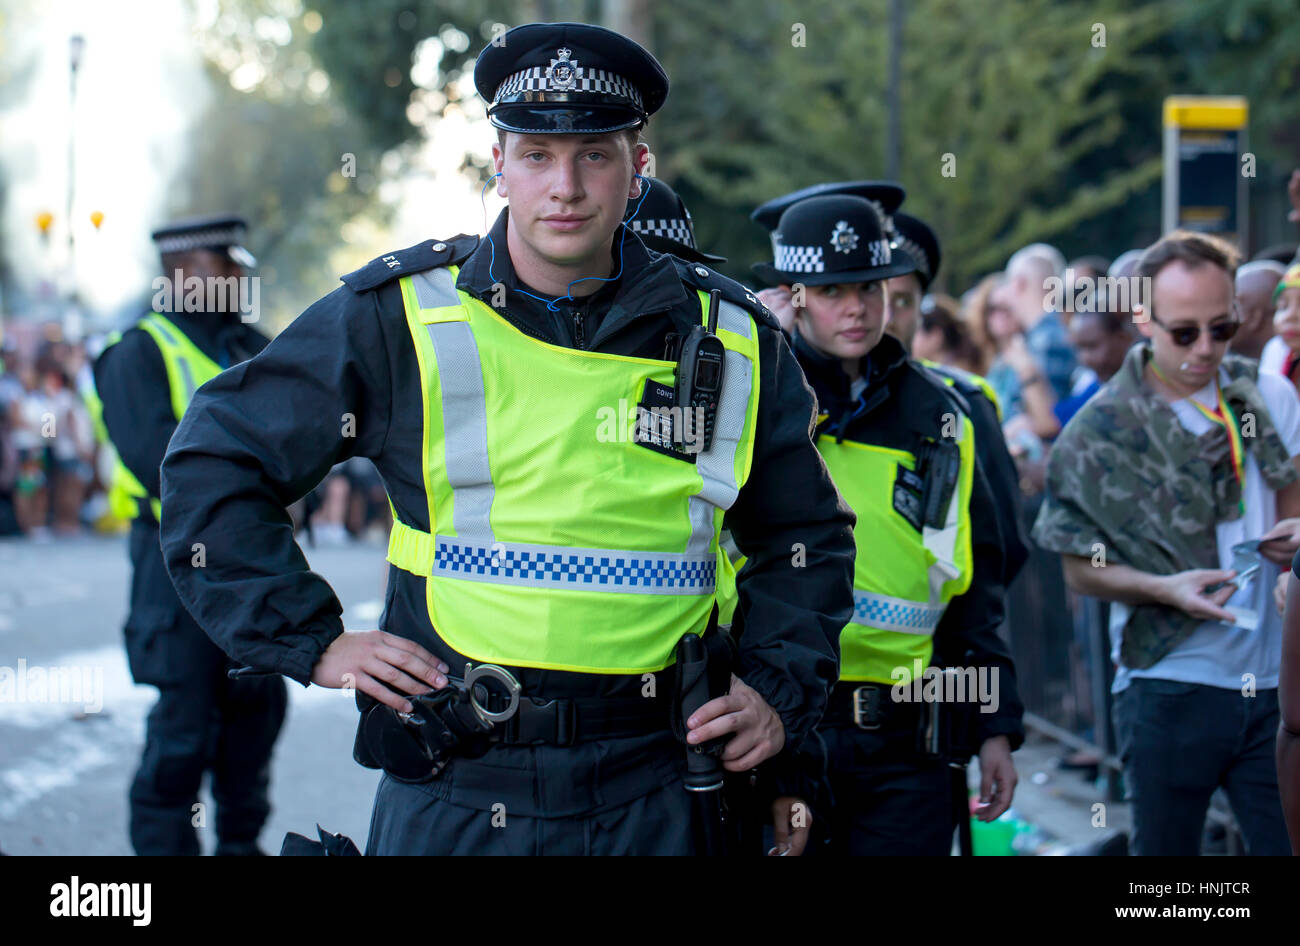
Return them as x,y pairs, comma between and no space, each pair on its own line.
562,74
844,238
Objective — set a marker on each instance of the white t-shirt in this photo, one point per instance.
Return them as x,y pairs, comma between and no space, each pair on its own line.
1273,357
1219,654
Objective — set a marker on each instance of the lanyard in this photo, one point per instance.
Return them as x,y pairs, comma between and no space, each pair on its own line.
1223,415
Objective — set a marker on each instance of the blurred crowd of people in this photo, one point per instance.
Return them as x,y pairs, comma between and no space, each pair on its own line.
48,449
56,466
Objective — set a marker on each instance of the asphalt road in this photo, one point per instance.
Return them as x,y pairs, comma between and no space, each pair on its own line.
66,760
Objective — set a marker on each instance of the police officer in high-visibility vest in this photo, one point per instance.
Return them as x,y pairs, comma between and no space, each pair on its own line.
912,240
203,721
900,447
528,399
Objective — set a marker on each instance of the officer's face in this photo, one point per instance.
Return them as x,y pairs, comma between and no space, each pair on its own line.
904,308
845,321
567,194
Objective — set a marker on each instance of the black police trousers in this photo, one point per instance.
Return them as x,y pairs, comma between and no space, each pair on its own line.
617,796
203,722
886,800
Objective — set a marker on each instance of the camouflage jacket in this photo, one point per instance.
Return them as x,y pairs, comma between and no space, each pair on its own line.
1128,484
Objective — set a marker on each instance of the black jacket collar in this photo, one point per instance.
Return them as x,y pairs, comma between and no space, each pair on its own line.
648,282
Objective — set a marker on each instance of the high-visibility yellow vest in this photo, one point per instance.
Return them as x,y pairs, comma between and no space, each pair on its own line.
903,578
555,540
187,368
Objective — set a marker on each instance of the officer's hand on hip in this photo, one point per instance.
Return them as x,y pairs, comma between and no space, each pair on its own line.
374,661
791,821
997,778
759,732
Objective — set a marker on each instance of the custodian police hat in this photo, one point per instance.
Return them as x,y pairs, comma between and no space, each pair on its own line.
832,239
660,218
222,232
914,238
568,78
885,196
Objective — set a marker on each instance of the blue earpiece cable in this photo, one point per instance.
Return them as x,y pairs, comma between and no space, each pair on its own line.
552,305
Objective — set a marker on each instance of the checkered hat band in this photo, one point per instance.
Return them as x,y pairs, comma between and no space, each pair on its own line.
798,259
913,249
591,569
199,239
587,80
675,229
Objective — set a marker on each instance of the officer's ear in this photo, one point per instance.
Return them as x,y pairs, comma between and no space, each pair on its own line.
498,165
640,158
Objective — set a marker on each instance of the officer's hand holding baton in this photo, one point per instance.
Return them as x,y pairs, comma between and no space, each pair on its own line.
377,663
759,732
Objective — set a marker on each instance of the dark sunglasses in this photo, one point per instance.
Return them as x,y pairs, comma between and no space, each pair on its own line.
1186,335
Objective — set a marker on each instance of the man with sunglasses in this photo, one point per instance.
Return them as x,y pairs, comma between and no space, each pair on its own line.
1186,453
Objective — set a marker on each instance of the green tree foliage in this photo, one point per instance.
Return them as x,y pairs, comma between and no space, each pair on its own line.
1049,109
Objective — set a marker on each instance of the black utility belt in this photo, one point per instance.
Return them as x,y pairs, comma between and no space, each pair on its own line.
487,708
942,730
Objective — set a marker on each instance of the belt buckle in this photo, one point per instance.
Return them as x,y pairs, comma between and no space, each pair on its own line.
866,705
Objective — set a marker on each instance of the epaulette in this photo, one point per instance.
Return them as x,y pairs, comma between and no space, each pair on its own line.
969,384
413,259
700,276
950,392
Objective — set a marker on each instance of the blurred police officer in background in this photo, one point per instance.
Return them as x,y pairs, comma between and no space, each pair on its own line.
203,721
559,559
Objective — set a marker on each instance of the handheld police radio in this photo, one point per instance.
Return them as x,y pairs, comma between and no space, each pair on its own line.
699,382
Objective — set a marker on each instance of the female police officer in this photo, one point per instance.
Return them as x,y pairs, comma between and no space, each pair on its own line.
533,530
928,572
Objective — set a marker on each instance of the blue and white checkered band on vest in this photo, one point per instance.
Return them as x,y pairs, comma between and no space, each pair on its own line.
669,228
606,570
585,80
797,259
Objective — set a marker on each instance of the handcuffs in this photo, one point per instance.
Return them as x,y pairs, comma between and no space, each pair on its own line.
443,724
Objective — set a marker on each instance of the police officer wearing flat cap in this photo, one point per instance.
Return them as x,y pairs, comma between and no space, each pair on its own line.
928,575
203,721
556,531
660,218
912,241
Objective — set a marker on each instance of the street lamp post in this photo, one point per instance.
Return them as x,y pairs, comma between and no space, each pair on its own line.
76,47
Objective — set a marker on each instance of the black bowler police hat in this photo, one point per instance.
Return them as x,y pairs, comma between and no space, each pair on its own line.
914,238
660,218
833,239
885,196
221,232
568,78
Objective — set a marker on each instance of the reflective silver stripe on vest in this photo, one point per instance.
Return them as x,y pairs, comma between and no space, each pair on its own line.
187,376
557,566
895,614
717,465
464,409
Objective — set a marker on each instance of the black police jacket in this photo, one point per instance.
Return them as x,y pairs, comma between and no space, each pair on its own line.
263,434
999,469
131,381
901,404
